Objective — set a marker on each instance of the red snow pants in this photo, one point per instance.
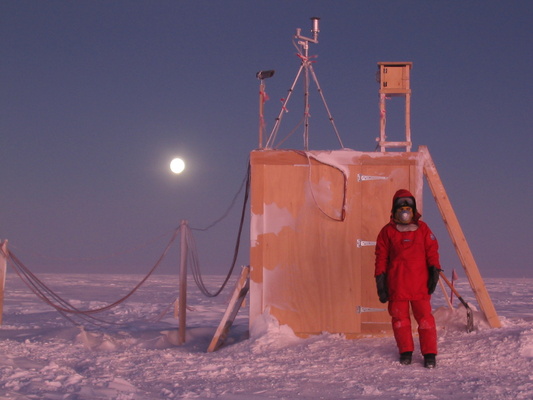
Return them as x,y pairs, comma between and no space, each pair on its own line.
401,325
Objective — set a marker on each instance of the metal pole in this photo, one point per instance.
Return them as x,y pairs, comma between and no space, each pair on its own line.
305,63
325,105
3,265
261,116
182,310
274,132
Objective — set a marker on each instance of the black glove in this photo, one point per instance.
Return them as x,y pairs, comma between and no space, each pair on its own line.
433,278
381,283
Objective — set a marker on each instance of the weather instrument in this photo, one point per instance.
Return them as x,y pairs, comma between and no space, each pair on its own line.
262,75
302,45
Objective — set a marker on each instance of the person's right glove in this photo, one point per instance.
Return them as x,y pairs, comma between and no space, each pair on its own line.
433,278
383,292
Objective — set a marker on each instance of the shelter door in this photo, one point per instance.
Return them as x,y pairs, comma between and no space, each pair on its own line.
378,183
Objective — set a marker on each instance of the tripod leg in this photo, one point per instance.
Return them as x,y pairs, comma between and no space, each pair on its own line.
275,130
325,105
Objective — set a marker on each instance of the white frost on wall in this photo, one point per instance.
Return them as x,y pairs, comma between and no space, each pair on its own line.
321,195
340,159
278,282
321,191
266,332
273,220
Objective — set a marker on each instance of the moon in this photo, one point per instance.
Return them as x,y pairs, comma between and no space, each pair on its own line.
177,165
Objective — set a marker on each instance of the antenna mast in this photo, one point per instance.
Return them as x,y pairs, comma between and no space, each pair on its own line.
307,67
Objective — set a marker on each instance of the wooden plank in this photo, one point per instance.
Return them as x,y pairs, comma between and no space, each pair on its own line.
344,157
3,266
241,289
459,239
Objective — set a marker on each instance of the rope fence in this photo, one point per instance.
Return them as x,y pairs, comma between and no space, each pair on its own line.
69,311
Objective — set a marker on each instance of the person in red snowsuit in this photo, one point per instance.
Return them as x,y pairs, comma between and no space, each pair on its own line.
407,272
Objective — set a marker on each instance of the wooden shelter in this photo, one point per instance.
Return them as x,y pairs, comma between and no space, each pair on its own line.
315,219
315,216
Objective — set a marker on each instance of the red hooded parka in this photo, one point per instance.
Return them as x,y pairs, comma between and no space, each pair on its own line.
405,256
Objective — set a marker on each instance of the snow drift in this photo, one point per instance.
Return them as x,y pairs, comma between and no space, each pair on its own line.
131,351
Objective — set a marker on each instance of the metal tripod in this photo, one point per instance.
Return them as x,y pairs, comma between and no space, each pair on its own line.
307,68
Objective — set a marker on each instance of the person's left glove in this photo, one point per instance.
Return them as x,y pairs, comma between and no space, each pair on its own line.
433,278
383,292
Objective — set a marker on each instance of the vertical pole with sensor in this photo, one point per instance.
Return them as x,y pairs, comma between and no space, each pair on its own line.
262,75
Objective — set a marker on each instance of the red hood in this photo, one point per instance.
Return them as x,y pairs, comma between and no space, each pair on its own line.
402,193
405,193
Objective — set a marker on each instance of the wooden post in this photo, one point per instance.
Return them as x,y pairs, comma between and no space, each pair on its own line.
458,239
182,312
408,122
382,121
3,265
236,301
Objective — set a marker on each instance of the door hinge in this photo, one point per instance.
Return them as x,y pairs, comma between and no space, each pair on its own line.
361,309
362,178
361,243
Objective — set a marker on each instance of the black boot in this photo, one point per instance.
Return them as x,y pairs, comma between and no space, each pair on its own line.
406,357
430,360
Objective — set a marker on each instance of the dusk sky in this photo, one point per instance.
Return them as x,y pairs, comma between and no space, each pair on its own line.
97,97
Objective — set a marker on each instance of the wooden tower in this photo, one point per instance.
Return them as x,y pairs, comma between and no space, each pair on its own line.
394,81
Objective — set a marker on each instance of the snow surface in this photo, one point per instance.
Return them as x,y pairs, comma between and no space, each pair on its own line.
44,356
